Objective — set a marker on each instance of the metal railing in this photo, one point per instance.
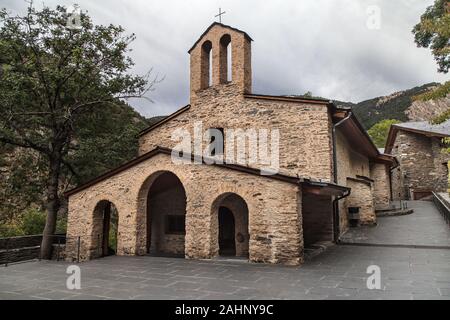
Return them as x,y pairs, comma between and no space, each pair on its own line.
77,245
443,207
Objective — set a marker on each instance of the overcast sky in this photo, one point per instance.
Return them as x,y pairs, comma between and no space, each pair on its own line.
322,46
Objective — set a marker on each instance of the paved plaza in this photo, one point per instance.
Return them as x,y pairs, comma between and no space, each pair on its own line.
338,273
424,227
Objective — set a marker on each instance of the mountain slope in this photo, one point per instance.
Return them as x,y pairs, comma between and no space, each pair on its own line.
393,106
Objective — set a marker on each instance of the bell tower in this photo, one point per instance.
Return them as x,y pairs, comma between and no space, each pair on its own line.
219,49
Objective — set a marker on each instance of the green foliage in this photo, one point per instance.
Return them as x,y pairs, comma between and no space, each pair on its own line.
29,222
433,31
33,222
104,140
22,181
441,91
10,230
446,149
442,118
379,132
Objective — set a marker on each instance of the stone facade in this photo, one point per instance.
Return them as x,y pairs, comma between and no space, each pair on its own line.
380,173
423,165
363,199
354,171
305,133
274,216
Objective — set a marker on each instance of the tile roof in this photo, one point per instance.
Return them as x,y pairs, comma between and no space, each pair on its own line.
425,126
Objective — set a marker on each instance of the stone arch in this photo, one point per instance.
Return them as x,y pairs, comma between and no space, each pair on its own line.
105,230
225,59
206,65
237,206
161,215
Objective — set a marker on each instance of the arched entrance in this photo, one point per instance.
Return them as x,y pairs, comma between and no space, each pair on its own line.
230,220
166,215
227,231
106,222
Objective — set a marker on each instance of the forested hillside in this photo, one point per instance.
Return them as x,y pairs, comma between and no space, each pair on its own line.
393,106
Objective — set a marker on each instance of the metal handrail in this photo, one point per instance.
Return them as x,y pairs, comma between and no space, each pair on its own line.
59,238
442,207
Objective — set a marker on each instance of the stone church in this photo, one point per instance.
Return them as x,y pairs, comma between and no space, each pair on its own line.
328,166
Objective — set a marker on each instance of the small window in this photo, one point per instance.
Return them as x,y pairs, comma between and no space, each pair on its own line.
216,141
175,224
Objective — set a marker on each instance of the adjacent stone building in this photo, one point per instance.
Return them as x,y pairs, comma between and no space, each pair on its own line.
423,166
325,163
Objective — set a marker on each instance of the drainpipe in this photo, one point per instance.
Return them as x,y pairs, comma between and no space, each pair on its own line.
336,230
335,175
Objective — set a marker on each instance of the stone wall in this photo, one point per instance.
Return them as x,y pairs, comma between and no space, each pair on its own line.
352,164
381,186
274,217
362,197
23,248
399,192
422,165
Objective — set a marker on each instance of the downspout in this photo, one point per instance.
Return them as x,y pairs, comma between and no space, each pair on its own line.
335,176
336,215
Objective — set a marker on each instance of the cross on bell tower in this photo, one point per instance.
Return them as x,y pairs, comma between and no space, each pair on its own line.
220,15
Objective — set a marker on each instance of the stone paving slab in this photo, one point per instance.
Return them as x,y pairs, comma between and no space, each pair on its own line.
424,227
338,273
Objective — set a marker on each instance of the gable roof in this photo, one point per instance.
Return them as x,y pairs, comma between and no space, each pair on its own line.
330,187
223,26
288,98
420,127
426,127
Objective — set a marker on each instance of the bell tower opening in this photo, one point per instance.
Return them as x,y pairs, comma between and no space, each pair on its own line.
206,65
220,56
225,59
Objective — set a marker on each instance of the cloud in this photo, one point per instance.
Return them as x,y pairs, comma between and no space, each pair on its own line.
322,46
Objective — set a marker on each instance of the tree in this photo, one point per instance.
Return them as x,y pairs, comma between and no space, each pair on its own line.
379,132
433,31
53,76
103,139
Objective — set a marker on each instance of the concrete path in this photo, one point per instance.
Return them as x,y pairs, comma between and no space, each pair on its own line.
339,273
424,227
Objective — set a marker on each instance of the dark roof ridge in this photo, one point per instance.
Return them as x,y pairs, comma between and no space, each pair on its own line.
222,25
287,98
